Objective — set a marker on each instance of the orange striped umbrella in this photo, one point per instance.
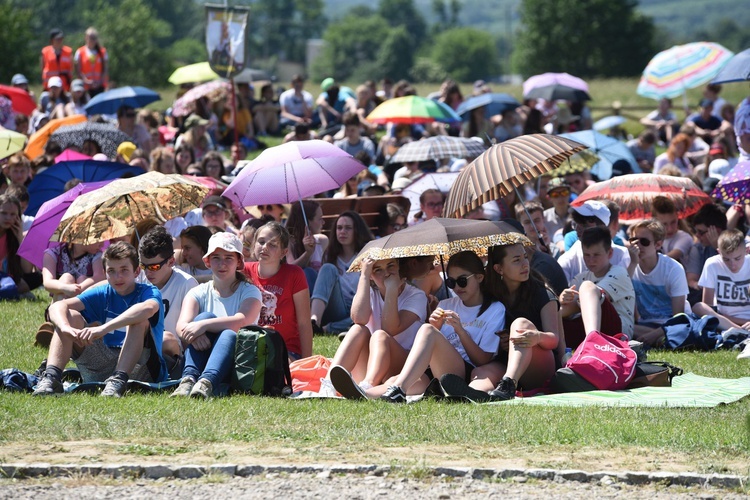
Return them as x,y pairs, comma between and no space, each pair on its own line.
504,167
39,139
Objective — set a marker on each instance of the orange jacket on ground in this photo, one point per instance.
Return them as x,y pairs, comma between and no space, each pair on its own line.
61,66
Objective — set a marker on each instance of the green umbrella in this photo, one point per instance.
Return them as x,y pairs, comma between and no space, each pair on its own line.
193,73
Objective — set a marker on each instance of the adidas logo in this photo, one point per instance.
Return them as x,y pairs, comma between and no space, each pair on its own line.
610,348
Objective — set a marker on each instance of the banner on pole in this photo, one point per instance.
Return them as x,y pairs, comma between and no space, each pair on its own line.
226,31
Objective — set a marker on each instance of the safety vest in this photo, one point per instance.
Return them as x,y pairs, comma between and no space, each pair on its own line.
91,66
61,66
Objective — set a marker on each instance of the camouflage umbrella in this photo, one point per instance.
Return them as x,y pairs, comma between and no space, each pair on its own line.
113,211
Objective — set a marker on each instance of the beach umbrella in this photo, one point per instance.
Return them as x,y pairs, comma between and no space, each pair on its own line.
112,211
10,143
735,186
107,103
504,167
548,79
438,147
107,136
193,73
412,109
20,100
38,139
608,149
634,194
212,90
494,104
736,70
671,72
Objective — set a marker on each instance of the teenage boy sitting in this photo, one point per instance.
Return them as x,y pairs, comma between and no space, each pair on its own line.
708,224
603,294
157,261
112,331
725,281
659,281
677,243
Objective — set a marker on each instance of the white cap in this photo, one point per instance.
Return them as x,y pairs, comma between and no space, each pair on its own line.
226,241
718,168
54,81
593,208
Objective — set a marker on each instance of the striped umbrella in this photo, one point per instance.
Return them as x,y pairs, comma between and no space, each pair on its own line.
412,109
504,167
671,72
735,186
635,192
438,147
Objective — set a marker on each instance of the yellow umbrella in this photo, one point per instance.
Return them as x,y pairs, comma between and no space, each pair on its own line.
39,139
193,73
10,143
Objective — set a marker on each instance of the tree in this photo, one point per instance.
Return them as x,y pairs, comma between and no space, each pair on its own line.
447,13
393,60
17,40
466,54
404,13
588,38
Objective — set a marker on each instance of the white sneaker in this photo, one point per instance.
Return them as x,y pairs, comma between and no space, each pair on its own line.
326,389
733,332
745,352
365,386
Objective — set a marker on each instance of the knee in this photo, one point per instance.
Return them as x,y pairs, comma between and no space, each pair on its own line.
588,287
521,324
427,331
67,278
380,337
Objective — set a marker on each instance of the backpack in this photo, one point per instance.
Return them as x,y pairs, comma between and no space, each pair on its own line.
261,363
606,362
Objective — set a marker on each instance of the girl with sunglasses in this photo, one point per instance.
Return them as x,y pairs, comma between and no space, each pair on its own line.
460,335
531,348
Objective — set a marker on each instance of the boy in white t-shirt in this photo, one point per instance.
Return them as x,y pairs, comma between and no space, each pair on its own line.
659,281
726,283
603,294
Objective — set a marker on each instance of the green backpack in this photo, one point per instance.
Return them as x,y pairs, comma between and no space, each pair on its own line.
261,363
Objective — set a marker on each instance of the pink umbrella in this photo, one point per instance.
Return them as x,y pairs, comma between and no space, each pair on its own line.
547,79
71,155
291,172
47,219
212,90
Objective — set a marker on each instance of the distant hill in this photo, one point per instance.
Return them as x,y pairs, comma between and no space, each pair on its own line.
679,18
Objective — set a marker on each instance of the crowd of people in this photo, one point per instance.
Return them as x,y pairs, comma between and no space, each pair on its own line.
168,301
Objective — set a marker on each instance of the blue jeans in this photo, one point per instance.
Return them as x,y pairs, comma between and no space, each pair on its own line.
328,289
215,364
311,275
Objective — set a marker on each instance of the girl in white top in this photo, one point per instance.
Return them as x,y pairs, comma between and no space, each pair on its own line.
387,312
211,314
460,335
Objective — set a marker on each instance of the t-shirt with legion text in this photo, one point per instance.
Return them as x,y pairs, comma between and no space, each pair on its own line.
731,290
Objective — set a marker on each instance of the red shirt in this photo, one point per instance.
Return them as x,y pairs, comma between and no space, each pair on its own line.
278,310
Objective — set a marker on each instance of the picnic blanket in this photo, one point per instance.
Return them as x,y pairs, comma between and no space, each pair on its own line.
688,390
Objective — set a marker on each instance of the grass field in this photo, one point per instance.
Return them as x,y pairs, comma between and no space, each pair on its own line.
244,429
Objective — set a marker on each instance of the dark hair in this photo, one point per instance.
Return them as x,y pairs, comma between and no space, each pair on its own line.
387,214
198,235
350,119
586,219
11,242
212,156
121,250
471,262
296,227
533,123
594,235
19,192
423,197
663,205
362,235
180,149
141,228
157,242
497,286
711,215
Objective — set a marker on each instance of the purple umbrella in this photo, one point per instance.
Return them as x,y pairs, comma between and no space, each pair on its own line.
47,219
547,79
291,172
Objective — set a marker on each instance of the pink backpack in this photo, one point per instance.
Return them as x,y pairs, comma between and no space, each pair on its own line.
604,361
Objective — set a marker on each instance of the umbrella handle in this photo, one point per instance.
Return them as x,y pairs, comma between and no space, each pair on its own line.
299,195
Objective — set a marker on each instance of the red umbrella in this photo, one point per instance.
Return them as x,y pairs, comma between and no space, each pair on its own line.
20,99
635,192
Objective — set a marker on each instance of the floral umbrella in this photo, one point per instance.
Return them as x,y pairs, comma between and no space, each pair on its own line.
212,90
735,186
113,211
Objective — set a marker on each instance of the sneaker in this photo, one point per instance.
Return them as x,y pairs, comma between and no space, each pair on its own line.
44,334
317,329
434,390
734,333
183,390
745,352
345,385
455,387
48,386
326,389
114,388
394,394
505,390
202,389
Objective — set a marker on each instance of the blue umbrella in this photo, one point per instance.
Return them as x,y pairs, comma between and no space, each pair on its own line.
51,181
608,149
494,104
109,102
736,70
609,122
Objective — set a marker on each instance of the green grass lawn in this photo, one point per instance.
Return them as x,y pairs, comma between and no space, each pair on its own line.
244,429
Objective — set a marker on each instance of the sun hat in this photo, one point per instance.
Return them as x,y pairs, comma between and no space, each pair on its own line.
55,81
557,183
226,241
194,121
593,208
327,84
126,149
77,85
19,79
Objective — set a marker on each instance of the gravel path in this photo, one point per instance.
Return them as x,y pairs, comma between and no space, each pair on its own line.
327,486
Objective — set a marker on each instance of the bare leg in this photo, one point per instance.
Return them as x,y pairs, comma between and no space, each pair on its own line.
430,349
589,296
529,366
350,352
170,344
387,358
317,308
703,309
62,345
66,279
486,377
132,346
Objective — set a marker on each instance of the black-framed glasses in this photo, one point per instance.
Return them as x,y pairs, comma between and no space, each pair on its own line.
461,281
154,267
699,232
643,241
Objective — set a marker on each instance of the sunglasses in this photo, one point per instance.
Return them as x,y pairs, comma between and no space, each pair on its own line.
154,267
461,281
643,241
560,193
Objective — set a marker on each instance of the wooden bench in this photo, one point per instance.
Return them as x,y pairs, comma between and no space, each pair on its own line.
367,206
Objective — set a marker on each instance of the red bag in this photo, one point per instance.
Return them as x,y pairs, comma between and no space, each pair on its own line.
307,372
606,362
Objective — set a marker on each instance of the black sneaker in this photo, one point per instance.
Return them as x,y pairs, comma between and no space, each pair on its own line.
455,387
317,329
505,390
49,386
345,385
114,388
394,394
434,390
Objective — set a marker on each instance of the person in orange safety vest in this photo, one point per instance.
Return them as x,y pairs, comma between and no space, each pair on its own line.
92,64
57,60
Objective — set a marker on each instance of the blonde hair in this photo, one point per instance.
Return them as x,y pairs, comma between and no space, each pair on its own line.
654,226
730,240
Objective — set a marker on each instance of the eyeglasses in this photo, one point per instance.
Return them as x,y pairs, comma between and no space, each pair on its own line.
267,208
699,232
560,193
154,267
643,241
461,281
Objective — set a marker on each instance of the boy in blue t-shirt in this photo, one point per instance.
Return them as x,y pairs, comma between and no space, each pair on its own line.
113,332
